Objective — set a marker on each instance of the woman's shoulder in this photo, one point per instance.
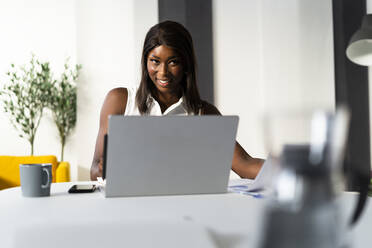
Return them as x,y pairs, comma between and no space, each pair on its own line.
209,109
116,99
118,93
126,92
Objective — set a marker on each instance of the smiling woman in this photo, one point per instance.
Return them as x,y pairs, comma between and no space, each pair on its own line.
168,68
168,87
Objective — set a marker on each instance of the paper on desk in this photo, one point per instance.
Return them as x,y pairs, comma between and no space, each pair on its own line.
261,181
101,182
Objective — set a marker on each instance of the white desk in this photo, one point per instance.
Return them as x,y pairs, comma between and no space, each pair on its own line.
226,220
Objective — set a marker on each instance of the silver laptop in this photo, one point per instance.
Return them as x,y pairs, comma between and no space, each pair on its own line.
168,155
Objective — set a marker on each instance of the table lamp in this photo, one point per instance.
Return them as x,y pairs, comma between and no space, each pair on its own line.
359,49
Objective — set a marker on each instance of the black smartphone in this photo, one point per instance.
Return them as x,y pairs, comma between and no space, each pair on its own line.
82,188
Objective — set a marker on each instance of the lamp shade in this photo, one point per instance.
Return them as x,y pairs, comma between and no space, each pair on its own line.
359,50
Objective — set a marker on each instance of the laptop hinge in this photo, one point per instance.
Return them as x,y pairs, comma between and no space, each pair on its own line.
104,156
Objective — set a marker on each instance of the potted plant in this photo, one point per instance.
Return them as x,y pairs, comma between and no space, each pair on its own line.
26,95
62,103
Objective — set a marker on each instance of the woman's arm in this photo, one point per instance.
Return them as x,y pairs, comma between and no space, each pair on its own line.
114,104
242,164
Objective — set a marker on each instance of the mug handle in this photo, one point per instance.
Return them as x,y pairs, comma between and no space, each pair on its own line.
43,186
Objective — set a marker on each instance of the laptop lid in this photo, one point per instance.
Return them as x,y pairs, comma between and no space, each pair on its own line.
167,155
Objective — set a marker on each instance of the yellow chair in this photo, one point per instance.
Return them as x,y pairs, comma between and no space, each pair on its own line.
63,172
9,169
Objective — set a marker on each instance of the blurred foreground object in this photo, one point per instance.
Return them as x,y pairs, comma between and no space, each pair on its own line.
308,182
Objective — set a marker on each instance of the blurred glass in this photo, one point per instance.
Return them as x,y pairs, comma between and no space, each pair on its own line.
307,148
324,131
286,127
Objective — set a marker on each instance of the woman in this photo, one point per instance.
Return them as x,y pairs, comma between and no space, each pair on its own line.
168,87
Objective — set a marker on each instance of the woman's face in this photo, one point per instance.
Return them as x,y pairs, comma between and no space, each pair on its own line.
165,69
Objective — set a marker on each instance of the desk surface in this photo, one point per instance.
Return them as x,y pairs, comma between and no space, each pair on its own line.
226,220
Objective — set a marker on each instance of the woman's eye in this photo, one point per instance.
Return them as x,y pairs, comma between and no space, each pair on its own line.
154,61
173,62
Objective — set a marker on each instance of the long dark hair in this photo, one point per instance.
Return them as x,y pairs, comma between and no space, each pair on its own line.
175,36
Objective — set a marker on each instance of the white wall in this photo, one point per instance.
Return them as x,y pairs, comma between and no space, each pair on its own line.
269,56
237,65
47,29
110,37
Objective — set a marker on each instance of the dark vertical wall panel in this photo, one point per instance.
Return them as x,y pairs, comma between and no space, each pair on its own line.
196,16
174,10
351,84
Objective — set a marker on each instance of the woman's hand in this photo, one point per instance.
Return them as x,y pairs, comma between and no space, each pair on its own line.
96,169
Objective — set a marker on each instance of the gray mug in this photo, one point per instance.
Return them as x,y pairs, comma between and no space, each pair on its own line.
35,179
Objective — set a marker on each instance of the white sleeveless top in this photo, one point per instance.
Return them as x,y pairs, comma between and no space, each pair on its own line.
179,108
